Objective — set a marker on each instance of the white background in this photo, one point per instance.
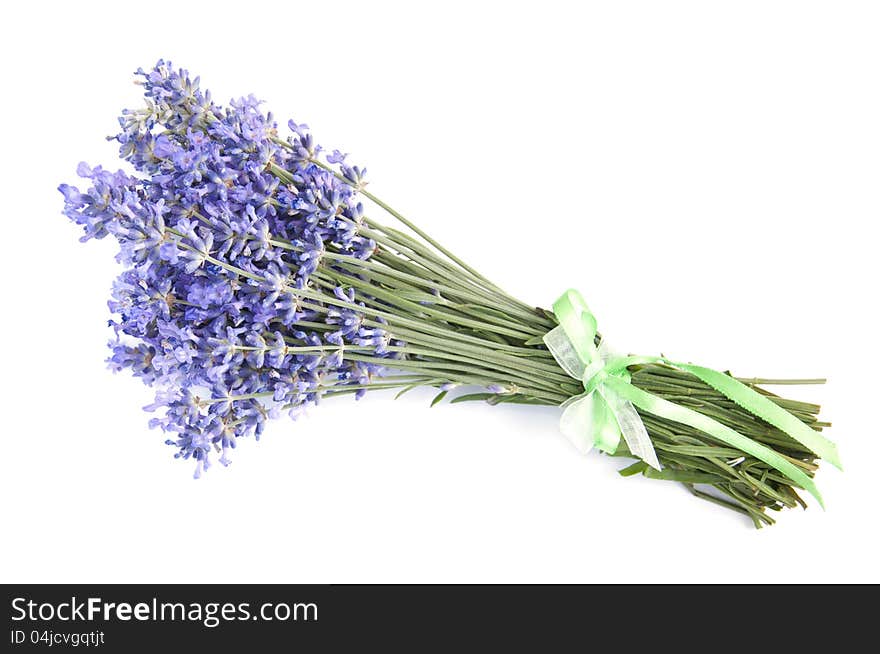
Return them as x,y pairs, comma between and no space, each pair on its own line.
705,173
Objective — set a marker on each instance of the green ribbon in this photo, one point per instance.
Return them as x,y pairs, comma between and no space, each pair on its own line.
603,412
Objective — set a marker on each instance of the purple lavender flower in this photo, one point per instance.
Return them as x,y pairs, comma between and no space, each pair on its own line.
216,248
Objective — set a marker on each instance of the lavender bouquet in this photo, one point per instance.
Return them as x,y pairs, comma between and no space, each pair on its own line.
256,284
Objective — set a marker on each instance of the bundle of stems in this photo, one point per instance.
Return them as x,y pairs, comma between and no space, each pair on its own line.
461,329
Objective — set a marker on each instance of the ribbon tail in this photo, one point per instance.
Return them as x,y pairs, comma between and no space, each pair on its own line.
665,409
587,422
767,410
632,428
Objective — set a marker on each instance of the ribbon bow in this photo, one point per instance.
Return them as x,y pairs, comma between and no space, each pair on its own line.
606,410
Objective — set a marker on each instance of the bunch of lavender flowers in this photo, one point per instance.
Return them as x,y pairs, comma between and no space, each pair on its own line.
255,284
216,251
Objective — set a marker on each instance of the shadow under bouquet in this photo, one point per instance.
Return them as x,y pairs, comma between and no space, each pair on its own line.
256,284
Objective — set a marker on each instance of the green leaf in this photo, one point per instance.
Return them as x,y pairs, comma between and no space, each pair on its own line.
521,399
406,390
439,397
535,340
472,397
667,474
634,469
497,398
503,398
